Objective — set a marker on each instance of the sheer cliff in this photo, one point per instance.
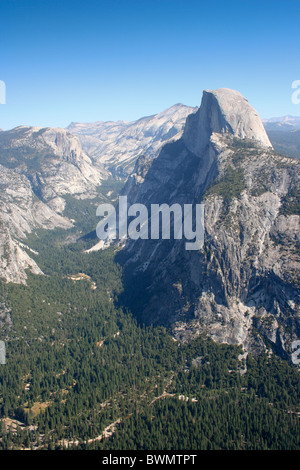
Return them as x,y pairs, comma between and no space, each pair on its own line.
242,287
38,167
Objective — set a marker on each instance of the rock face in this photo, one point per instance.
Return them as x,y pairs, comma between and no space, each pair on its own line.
21,212
52,159
117,145
242,287
37,168
223,111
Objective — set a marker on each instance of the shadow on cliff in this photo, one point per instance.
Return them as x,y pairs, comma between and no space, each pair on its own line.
135,295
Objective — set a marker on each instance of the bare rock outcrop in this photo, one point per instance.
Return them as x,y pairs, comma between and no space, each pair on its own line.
242,287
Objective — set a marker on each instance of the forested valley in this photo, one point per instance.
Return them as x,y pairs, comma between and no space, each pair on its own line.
82,373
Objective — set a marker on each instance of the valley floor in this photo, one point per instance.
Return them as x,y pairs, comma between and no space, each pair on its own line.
82,373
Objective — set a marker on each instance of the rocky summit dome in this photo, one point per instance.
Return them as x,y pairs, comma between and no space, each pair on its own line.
223,111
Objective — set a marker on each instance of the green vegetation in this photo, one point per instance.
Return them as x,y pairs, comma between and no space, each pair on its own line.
32,158
286,142
291,203
230,185
77,364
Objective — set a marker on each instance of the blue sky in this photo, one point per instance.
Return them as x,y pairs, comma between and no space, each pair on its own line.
91,60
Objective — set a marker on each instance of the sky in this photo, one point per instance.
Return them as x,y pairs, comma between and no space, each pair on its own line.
85,61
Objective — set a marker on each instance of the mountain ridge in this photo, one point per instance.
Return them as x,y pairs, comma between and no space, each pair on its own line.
39,166
117,145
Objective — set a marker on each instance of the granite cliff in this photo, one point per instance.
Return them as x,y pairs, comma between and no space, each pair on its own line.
242,287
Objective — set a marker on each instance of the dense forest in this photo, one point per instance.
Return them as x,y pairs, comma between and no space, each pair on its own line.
82,373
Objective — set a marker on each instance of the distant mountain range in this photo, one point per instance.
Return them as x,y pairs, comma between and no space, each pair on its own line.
284,133
49,163
117,145
284,123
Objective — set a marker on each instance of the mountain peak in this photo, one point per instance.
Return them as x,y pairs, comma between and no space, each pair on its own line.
224,111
